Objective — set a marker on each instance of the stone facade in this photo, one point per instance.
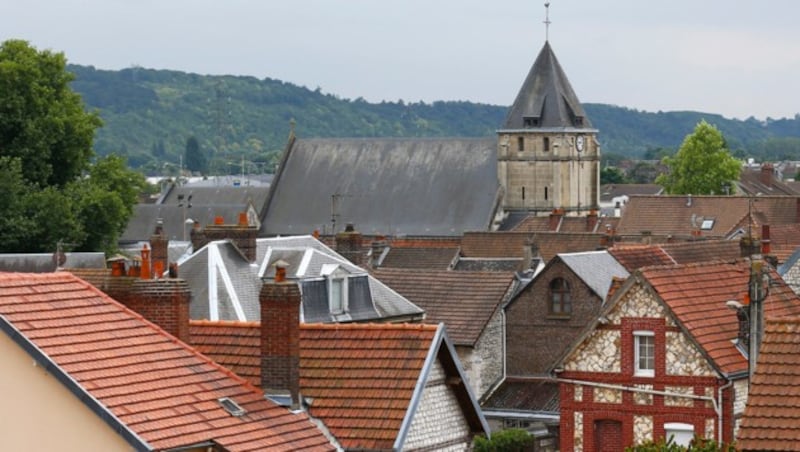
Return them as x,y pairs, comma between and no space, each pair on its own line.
606,357
483,363
439,423
741,389
536,338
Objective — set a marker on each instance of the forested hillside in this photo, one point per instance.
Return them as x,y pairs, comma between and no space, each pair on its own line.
149,115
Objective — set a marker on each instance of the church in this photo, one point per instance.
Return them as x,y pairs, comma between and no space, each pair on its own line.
545,158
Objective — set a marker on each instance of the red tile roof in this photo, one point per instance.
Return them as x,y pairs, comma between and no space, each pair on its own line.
437,258
696,294
513,244
784,239
680,215
634,257
360,377
463,300
158,387
771,420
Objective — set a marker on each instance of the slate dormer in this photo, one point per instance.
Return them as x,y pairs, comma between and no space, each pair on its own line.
548,154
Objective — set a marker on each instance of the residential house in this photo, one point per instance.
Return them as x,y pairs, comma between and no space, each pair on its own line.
429,253
613,197
771,419
469,304
373,386
667,356
542,320
636,256
229,265
690,217
763,180
83,372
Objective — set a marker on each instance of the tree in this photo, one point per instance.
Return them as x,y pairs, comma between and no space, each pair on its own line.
49,190
702,166
612,175
508,440
195,159
42,121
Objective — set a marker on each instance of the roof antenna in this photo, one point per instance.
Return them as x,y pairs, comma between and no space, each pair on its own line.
547,21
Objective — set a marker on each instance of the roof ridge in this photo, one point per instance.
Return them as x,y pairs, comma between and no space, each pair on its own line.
226,323
369,326
717,262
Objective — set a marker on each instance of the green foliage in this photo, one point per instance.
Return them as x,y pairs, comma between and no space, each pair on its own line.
702,166
697,445
612,175
43,121
509,440
194,158
643,172
49,191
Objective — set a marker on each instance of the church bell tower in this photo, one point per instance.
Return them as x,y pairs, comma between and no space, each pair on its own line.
548,156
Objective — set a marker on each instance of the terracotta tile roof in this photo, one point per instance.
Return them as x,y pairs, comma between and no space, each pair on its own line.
463,300
762,181
610,191
362,377
533,223
771,420
438,258
159,388
784,239
696,294
513,244
634,257
680,215
524,394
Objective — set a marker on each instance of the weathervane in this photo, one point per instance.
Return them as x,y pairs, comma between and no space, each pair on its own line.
547,21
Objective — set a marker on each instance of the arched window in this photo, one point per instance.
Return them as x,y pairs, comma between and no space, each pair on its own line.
560,301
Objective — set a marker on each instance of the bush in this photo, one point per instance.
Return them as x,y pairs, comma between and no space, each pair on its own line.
510,440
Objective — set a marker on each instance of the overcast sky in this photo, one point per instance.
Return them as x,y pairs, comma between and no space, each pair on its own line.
730,57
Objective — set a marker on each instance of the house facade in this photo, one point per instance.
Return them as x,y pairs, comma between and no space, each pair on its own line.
664,358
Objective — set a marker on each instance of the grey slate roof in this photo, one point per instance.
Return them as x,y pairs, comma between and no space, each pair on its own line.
225,286
419,186
43,262
596,268
143,222
547,95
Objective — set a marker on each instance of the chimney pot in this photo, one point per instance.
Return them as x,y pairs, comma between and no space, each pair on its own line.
243,219
218,220
145,270
280,270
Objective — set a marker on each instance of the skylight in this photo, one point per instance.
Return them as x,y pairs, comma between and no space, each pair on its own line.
707,225
232,407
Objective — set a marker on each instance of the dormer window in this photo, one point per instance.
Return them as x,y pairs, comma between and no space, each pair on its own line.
560,300
530,121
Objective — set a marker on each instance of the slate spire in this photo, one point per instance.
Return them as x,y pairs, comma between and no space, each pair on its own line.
546,99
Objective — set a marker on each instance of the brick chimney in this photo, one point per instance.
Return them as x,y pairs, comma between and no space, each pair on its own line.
240,234
348,244
379,245
767,176
164,302
280,341
591,220
159,246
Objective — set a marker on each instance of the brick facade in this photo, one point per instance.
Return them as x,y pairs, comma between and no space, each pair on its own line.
164,302
349,245
536,337
620,395
280,339
241,235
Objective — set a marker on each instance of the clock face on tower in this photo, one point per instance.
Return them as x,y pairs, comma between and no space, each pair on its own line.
579,143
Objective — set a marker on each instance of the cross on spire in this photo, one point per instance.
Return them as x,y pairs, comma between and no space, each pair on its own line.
547,21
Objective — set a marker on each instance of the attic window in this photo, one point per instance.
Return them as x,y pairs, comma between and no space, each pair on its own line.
530,121
579,121
707,225
232,407
337,291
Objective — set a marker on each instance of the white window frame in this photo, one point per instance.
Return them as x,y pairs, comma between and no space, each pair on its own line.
332,283
679,430
637,369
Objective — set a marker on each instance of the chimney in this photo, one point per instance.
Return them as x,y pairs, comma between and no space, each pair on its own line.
767,176
748,246
159,246
647,237
280,341
197,236
164,302
756,294
555,219
241,234
348,244
144,273
591,220
765,241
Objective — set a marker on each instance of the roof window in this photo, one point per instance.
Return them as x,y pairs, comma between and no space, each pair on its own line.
707,225
232,407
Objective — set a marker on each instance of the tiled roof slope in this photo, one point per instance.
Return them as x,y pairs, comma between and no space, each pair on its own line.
513,244
634,257
362,377
235,345
463,300
784,240
680,215
160,389
696,294
771,420
524,394
428,258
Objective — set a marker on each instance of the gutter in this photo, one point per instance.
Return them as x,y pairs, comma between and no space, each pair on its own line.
41,358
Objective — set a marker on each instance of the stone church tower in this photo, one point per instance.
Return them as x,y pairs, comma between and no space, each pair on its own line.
548,156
